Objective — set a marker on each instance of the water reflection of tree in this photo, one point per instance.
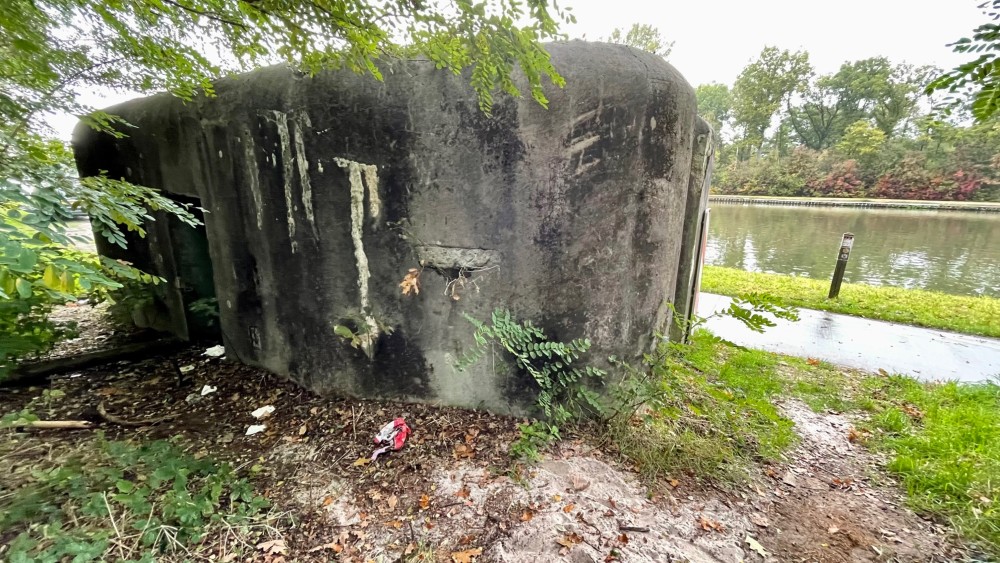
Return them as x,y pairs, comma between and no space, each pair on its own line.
943,251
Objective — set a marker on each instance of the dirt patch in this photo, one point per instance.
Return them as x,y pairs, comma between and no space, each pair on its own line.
826,505
454,491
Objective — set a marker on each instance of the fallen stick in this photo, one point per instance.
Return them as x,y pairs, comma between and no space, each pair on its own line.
642,529
50,424
133,423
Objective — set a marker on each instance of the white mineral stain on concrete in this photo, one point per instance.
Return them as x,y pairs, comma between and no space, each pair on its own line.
252,176
302,122
281,121
357,186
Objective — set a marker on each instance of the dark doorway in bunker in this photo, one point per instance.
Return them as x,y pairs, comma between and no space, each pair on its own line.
185,305
195,282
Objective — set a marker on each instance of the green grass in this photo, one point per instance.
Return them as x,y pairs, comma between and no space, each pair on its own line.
944,443
970,315
712,414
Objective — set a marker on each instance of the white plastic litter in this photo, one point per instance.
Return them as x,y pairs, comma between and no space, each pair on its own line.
208,389
187,368
255,428
215,351
263,412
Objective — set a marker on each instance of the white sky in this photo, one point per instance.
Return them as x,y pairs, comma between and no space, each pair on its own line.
715,39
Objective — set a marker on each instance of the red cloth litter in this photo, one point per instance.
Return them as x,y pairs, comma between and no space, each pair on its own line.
392,436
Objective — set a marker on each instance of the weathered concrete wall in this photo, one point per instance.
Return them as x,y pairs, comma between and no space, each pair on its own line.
323,192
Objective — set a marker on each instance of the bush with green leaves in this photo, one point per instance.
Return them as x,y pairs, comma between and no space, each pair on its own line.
564,389
115,500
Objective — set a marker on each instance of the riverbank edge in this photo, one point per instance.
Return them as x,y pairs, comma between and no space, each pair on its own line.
979,316
967,206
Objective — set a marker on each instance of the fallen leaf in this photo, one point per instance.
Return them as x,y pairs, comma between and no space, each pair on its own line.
579,483
411,282
623,538
273,547
570,539
833,529
395,524
361,461
812,361
463,451
569,507
327,501
466,539
463,492
674,483
527,515
466,556
755,546
303,430
410,548
709,524
392,502
336,547
425,502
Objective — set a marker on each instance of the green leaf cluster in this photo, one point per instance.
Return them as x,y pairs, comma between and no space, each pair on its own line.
154,498
564,389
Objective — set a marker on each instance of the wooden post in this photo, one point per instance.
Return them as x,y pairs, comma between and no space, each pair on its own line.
838,272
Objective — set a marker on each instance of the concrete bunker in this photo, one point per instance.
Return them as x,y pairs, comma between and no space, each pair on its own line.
322,193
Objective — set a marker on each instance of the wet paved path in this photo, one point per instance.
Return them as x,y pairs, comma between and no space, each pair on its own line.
923,353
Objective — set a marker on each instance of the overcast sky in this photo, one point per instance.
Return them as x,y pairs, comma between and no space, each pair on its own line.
715,39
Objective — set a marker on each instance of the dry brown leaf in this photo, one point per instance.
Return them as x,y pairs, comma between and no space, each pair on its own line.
361,461
708,524
466,556
336,547
273,547
812,361
463,492
411,282
463,451
527,515
579,483
855,435
410,548
674,483
327,501
302,430
569,507
569,540
395,524
623,539
392,502
425,502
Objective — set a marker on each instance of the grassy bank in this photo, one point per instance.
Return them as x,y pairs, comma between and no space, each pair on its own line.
716,416
970,315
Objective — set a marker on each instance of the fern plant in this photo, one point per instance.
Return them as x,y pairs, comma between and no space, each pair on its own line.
564,387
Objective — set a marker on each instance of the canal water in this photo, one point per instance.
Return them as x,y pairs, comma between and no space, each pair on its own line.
948,251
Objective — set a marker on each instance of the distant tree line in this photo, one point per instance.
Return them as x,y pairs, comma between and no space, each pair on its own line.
866,130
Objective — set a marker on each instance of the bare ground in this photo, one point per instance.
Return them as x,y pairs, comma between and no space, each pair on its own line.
452,493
